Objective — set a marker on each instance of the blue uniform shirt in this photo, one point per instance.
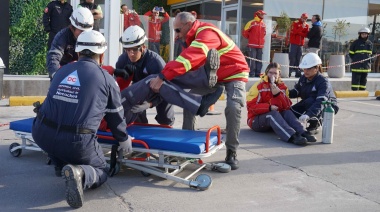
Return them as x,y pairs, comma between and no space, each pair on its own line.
80,95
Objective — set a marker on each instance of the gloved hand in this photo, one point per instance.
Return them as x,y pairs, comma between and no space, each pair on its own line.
130,69
121,73
303,118
139,108
126,145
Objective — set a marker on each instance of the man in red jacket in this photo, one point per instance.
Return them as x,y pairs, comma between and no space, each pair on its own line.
298,33
155,27
255,31
205,40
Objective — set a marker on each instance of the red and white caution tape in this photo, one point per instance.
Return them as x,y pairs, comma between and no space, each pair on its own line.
348,64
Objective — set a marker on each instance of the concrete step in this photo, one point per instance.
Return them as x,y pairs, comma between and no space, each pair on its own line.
16,85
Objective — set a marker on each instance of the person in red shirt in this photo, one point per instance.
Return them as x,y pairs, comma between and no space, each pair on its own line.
155,27
298,32
268,108
255,31
131,17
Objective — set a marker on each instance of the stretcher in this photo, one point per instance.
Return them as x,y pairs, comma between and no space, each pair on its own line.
157,150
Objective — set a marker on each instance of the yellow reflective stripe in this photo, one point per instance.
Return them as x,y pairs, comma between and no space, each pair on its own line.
186,63
363,51
200,45
351,52
355,86
230,43
362,86
360,70
239,75
358,86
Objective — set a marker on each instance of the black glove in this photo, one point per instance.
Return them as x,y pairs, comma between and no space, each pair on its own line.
37,105
130,69
121,73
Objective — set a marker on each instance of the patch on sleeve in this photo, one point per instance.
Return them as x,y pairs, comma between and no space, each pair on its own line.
46,10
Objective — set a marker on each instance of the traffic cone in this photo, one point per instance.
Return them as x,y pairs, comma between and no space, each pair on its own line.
211,111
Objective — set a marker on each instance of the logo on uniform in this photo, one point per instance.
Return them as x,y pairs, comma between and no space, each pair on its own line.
71,79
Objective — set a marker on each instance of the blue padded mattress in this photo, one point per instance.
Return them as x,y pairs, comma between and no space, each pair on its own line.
169,139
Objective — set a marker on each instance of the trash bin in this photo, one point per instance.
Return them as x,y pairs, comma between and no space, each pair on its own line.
2,66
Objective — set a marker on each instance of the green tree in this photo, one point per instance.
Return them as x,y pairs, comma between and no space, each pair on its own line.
27,46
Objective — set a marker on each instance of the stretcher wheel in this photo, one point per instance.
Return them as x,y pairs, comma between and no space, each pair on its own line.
204,181
145,174
17,152
221,167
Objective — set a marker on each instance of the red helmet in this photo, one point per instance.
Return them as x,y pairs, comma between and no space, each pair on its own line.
304,15
260,12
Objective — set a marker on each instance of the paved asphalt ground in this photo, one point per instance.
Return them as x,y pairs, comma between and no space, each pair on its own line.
273,175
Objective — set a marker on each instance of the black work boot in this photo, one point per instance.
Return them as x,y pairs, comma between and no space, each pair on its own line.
378,98
297,139
208,100
211,66
313,127
309,137
74,187
232,160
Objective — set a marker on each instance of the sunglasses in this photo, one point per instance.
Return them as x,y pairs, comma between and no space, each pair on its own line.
178,30
134,50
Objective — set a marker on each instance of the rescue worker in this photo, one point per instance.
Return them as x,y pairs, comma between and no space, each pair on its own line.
96,11
131,17
155,27
313,88
62,49
56,17
79,96
298,32
269,108
255,31
138,62
360,49
225,65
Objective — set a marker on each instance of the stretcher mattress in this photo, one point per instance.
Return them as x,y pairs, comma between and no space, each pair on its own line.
156,137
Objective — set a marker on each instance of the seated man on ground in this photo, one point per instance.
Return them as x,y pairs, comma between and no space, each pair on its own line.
268,108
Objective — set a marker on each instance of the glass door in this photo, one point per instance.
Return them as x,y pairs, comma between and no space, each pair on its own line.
231,21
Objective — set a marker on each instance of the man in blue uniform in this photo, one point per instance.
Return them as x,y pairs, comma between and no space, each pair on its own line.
56,17
138,62
79,96
62,48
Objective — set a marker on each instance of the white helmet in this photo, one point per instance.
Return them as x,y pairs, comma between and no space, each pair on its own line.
133,36
310,60
364,30
82,19
91,40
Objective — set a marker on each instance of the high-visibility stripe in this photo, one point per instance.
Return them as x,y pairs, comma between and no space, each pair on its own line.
239,75
361,51
361,70
203,46
355,86
230,43
186,63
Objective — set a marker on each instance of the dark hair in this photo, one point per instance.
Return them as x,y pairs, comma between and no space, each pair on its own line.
121,7
317,17
272,65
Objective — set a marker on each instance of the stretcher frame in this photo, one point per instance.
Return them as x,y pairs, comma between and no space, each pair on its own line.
161,163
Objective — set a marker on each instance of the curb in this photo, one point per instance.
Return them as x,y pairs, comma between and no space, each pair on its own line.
349,94
25,100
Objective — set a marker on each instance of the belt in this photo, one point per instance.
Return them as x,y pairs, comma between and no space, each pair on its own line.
66,128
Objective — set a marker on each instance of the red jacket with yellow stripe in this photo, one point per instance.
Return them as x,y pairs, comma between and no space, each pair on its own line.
200,39
260,98
298,32
255,31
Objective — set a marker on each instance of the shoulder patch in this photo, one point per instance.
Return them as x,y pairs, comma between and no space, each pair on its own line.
72,79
